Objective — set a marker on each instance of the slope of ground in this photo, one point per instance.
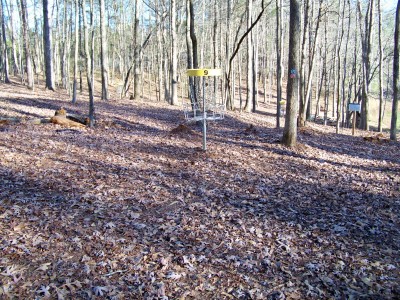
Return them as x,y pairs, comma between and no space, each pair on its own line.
133,209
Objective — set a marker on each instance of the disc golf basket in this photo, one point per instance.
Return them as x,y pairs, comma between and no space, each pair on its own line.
203,106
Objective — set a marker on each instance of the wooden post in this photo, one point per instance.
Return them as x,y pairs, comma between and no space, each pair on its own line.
354,122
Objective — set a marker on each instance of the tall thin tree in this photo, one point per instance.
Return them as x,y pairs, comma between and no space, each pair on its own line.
76,52
136,75
279,46
15,61
88,65
174,55
249,69
396,81
366,41
26,44
5,56
48,50
380,67
292,90
104,52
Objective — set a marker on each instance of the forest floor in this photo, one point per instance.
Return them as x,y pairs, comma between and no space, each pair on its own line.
133,209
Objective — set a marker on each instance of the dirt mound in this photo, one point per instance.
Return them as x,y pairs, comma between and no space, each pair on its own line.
379,138
182,129
251,130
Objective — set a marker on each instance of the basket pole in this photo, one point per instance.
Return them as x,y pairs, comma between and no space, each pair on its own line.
204,73
204,116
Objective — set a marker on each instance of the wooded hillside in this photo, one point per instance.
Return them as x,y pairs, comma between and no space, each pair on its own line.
144,48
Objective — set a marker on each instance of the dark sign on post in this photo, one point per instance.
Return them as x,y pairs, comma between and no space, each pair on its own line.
354,107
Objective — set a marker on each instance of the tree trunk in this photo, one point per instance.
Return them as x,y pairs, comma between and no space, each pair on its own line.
174,56
249,69
76,57
229,102
396,87
278,61
302,108
5,58
88,65
215,45
240,82
344,76
307,94
48,51
55,47
66,46
193,35
16,68
91,10
136,68
337,82
327,76
37,53
26,44
160,57
235,52
104,52
380,67
255,72
292,91
320,82
193,38
366,55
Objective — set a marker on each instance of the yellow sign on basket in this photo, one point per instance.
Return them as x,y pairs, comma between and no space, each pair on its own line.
204,72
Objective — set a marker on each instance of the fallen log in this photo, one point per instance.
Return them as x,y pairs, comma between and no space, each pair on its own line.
9,121
61,117
63,121
77,118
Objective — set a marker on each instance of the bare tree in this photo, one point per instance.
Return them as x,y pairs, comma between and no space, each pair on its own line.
174,55
136,75
88,65
279,46
229,102
160,53
194,84
292,90
313,36
380,67
76,52
249,69
48,50
26,43
15,61
228,74
302,71
104,52
366,34
396,81
5,58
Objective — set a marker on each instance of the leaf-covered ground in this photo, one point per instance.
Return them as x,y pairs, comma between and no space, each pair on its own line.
133,209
